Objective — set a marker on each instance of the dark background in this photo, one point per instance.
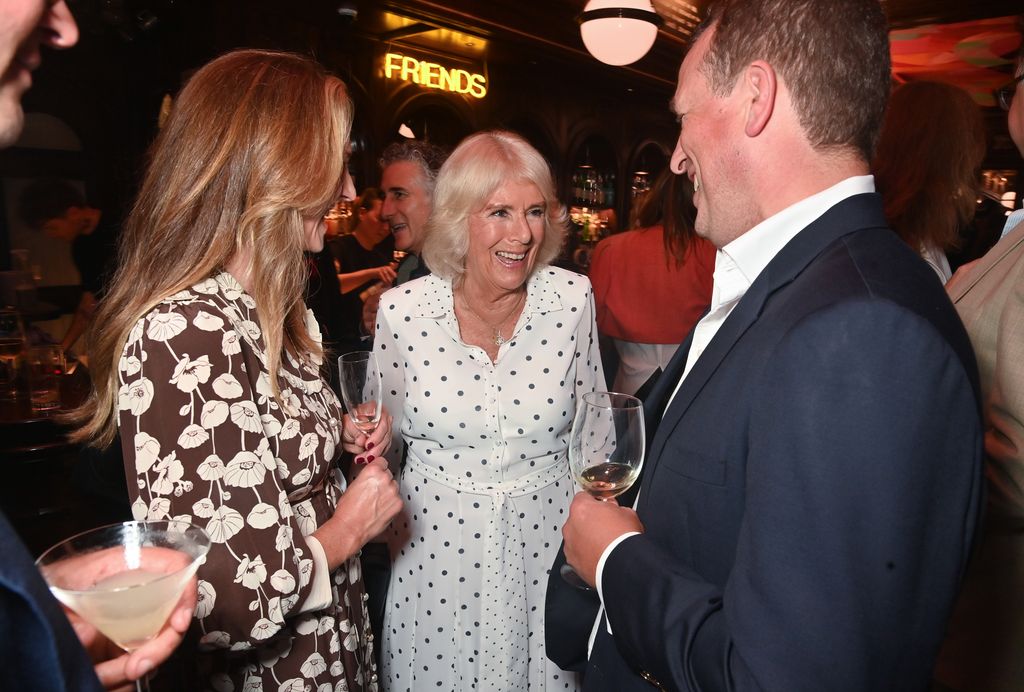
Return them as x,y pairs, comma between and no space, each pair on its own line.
543,83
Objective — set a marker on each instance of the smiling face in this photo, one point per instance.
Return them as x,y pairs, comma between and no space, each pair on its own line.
504,238
407,203
26,26
706,151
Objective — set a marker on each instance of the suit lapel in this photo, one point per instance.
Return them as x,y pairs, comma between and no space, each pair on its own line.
852,214
654,404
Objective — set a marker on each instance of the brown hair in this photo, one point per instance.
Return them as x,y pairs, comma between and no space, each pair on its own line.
255,143
476,168
369,196
926,168
669,203
833,56
46,199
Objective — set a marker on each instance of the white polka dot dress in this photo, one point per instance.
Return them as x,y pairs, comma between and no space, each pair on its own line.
486,483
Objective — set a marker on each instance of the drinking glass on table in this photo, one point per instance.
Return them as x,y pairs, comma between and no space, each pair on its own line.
360,382
125,579
45,366
12,344
606,450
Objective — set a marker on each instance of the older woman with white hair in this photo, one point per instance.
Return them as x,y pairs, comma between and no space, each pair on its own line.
483,363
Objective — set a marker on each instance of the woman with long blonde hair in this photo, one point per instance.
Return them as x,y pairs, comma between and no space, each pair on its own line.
207,362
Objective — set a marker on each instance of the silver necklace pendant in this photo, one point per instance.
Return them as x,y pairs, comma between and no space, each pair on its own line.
498,338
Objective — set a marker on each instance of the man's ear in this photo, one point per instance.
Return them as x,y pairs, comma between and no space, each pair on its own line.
762,85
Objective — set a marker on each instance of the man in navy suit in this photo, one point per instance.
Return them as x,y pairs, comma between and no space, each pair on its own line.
813,475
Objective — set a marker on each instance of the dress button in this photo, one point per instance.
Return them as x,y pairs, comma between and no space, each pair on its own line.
369,637
373,678
366,596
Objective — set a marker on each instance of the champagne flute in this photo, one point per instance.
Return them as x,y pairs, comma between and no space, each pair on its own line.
125,579
606,450
361,389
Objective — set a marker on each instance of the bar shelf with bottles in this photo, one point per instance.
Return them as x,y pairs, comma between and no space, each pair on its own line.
592,212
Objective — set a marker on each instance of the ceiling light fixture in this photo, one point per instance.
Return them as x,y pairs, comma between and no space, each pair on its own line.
619,32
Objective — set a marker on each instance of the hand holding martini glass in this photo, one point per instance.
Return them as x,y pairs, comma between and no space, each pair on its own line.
125,579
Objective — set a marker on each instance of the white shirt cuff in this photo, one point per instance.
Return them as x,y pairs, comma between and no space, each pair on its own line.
600,565
320,593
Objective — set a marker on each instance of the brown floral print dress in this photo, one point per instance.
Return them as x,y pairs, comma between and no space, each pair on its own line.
204,440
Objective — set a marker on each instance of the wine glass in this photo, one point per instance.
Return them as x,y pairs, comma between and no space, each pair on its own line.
606,450
361,388
125,579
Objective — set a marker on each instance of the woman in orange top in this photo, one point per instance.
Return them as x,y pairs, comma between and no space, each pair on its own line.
652,284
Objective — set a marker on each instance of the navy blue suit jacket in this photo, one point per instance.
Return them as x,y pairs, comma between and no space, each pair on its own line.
40,650
811,493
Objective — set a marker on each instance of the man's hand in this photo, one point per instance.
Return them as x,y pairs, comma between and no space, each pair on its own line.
370,306
118,670
387,274
592,525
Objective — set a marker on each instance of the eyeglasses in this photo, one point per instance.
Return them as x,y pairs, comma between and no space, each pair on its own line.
1004,94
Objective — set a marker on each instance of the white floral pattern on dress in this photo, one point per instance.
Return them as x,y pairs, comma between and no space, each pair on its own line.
205,441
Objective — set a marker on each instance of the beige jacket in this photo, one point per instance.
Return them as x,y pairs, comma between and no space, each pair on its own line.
985,641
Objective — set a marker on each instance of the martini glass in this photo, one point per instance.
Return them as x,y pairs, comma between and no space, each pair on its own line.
125,579
606,450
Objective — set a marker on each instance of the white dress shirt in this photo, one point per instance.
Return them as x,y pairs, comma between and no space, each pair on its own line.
1012,219
737,265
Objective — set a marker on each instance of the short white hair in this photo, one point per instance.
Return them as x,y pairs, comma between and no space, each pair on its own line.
477,167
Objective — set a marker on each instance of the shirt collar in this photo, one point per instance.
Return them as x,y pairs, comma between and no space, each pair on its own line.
1012,220
437,300
740,262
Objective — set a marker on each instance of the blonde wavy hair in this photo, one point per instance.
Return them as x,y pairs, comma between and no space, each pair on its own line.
476,168
255,144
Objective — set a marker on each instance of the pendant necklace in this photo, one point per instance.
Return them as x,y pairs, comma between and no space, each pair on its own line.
499,339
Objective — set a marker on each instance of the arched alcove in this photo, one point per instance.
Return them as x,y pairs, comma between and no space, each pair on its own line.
649,158
434,119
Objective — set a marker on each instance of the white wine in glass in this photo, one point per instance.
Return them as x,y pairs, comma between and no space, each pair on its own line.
360,382
125,579
606,449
